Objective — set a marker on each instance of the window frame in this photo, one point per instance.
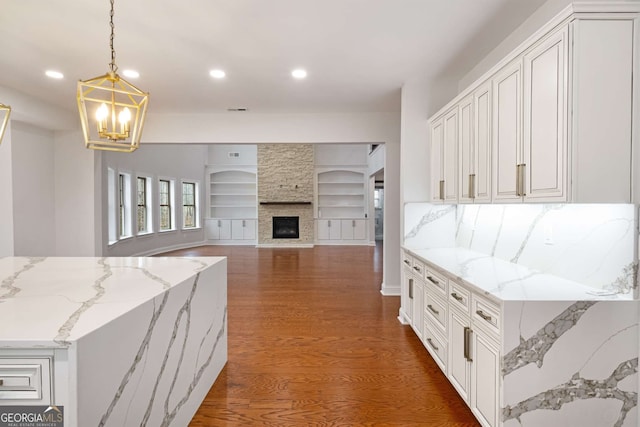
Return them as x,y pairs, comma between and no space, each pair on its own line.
148,204
170,203
195,205
123,205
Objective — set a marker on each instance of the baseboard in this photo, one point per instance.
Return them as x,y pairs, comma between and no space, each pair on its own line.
292,245
402,317
389,291
156,251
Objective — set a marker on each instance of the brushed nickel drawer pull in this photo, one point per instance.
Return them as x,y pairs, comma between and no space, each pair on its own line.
484,316
410,288
432,344
456,296
432,280
1,382
416,269
433,310
441,190
406,261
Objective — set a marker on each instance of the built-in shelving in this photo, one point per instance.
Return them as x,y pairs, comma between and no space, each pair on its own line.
341,194
233,194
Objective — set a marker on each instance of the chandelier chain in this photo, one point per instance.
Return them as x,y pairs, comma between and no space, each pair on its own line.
112,64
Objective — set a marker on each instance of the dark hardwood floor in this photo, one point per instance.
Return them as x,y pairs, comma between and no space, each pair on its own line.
312,342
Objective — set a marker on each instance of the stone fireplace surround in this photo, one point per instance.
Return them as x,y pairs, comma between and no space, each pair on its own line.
285,188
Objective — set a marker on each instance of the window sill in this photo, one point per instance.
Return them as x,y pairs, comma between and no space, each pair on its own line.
173,230
146,234
186,230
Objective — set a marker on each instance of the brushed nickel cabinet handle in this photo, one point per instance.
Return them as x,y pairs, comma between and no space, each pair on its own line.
432,280
416,268
522,177
410,288
441,190
406,261
467,343
483,315
1,382
456,296
219,223
518,181
472,186
433,310
432,344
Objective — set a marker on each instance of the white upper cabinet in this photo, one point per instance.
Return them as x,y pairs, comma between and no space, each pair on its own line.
544,157
507,132
437,181
552,122
474,148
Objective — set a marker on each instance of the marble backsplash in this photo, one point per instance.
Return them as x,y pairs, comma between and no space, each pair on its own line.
592,244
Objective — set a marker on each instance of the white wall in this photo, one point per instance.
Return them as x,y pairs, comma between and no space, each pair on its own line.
6,194
175,161
78,226
33,190
247,155
341,155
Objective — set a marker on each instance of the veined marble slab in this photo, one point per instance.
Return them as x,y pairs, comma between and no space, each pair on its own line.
132,341
506,281
591,244
51,302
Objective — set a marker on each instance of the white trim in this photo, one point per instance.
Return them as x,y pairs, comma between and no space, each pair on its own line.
390,291
284,245
156,251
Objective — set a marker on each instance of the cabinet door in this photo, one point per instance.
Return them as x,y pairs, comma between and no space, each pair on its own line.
459,365
335,229
237,229
359,229
482,143
507,131
249,229
417,315
346,229
322,226
545,105
212,229
485,377
224,226
466,151
409,287
450,156
437,138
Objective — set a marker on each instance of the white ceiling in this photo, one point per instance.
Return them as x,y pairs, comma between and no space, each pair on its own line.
358,53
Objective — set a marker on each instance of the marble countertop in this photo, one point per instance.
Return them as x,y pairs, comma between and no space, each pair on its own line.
51,302
505,281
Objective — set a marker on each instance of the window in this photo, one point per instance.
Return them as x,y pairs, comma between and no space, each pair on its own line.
124,206
165,205
111,205
189,215
142,196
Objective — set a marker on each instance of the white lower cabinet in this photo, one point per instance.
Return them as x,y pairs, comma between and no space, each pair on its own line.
462,334
353,229
416,293
485,378
329,229
243,229
341,230
230,229
459,355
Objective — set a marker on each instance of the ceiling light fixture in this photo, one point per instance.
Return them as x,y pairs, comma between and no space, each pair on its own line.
54,74
299,73
217,74
118,109
132,74
5,112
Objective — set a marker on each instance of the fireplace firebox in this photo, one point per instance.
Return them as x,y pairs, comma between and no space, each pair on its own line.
286,227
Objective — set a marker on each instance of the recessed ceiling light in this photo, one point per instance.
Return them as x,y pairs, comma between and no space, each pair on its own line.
217,74
299,73
132,74
54,74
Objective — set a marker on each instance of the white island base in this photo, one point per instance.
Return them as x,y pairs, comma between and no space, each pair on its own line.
115,341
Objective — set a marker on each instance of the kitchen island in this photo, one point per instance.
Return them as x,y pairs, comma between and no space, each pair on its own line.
115,341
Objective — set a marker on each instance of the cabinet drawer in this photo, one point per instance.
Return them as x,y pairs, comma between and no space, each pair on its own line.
436,309
437,282
459,297
25,379
407,260
486,314
418,268
436,345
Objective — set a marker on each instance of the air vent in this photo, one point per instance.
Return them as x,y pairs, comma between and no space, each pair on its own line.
237,109
234,154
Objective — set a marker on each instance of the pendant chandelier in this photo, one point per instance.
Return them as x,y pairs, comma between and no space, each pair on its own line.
112,110
5,112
